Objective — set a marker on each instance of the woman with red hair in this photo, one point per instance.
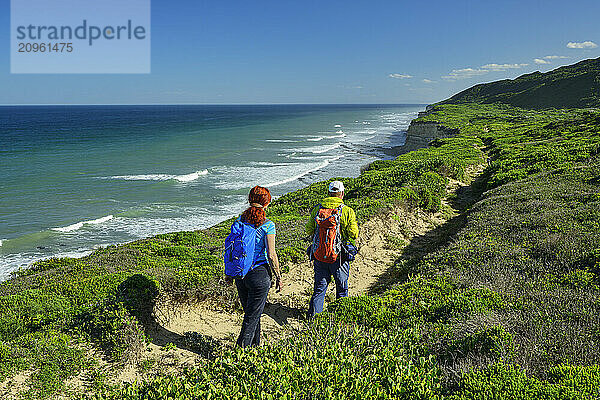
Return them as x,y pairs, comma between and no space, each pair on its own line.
255,285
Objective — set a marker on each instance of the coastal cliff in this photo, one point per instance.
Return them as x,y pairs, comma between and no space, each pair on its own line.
419,134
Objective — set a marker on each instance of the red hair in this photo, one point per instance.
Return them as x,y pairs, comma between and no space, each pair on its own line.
254,214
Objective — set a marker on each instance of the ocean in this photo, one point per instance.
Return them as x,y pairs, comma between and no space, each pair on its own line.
76,178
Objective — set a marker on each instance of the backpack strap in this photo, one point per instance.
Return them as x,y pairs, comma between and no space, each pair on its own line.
339,212
339,219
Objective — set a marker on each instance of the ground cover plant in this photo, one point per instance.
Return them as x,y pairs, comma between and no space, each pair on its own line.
506,306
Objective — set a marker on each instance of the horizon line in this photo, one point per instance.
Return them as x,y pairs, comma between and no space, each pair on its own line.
206,104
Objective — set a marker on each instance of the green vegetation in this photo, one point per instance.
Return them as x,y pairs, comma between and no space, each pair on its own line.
368,364
571,86
507,305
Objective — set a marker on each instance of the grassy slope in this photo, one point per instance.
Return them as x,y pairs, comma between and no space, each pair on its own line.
517,285
571,86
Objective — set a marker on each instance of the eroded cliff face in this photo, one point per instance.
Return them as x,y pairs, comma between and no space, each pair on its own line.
419,134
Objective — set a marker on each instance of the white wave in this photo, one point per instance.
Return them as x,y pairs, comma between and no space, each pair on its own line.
366,123
16,261
148,177
191,177
194,218
368,131
162,177
69,228
82,252
1,240
309,171
337,136
315,139
79,225
314,149
321,149
266,164
339,131
241,177
99,220
337,126
281,141
310,158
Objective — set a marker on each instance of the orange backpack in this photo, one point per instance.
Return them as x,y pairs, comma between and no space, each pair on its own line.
327,240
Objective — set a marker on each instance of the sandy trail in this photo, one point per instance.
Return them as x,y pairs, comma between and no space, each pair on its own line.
381,243
284,311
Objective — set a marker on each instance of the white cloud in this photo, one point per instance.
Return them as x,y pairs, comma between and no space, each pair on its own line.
502,67
554,57
400,76
351,87
464,73
428,81
582,45
541,61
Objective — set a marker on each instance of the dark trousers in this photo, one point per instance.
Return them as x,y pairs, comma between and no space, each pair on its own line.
253,290
323,274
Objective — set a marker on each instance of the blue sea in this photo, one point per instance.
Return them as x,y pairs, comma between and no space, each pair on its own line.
75,178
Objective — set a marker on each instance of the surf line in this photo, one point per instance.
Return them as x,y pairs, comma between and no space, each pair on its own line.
79,225
296,177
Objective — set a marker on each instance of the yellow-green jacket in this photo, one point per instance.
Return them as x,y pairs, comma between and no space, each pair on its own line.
348,219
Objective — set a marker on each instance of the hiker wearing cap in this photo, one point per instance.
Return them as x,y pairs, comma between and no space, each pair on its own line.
334,230
250,259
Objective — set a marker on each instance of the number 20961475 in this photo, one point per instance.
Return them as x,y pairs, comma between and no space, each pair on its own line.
25,47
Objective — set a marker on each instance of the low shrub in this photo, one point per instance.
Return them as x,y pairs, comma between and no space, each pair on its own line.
114,329
327,361
501,381
419,300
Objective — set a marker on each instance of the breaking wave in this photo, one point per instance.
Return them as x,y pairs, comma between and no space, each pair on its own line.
79,225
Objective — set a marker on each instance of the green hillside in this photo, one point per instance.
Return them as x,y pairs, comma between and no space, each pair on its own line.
571,86
499,301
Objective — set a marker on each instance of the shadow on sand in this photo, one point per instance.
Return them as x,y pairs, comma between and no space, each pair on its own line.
432,240
282,314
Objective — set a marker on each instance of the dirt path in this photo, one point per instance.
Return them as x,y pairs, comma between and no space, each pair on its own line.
284,311
381,243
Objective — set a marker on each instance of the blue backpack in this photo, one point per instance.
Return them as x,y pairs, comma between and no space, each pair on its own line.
239,249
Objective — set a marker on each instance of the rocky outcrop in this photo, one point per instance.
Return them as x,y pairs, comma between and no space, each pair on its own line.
419,134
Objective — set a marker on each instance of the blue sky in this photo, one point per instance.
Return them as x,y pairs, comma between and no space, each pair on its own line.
325,52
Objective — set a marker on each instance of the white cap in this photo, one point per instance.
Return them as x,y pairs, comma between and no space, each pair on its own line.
336,187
